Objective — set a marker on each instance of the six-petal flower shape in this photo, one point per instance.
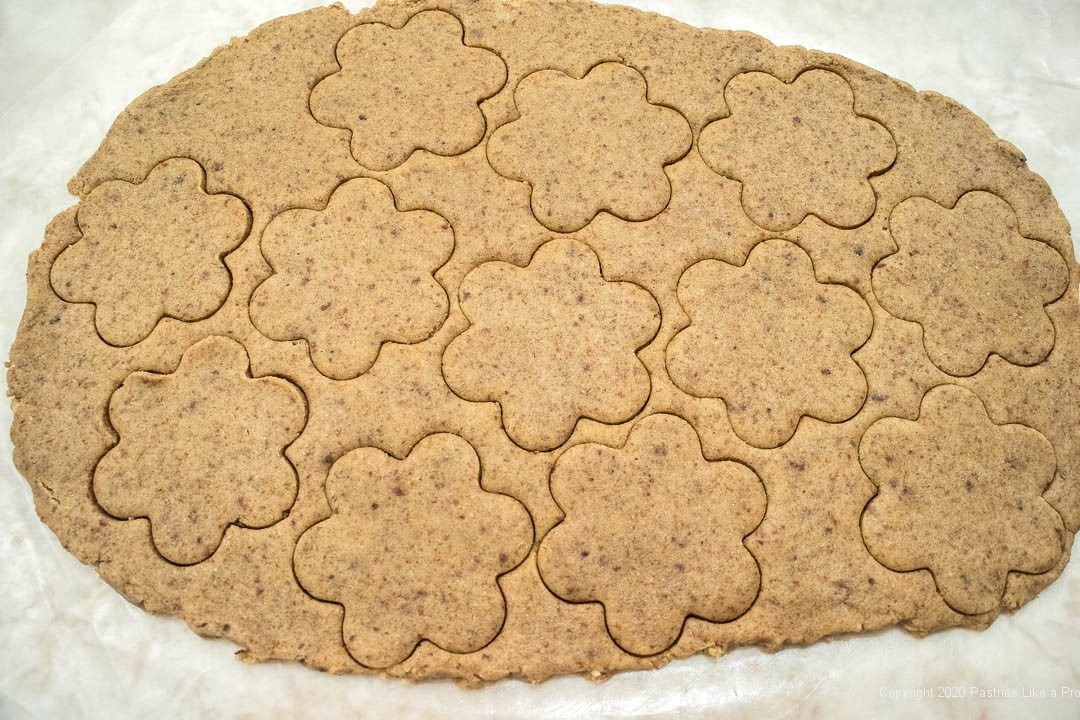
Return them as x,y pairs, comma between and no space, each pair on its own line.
412,550
552,342
151,250
200,449
590,144
654,532
962,497
770,340
972,281
417,87
799,148
353,276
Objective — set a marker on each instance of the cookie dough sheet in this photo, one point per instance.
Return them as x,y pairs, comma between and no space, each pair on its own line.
79,649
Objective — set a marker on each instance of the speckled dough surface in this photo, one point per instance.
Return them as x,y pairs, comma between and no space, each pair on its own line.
498,339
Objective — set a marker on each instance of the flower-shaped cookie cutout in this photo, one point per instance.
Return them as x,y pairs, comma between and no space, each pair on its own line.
799,149
417,87
770,340
200,449
353,276
972,281
961,497
589,145
412,550
682,555
151,250
552,342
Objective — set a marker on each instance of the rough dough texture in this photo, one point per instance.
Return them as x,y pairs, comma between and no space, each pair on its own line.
190,496
138,239
517,339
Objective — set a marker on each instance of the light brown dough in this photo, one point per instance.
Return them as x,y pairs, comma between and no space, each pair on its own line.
552,343
680,555
150,250
771,341
222,462
936,473
408,89
413,549
353,276
972,281
432,343
808,128
589,145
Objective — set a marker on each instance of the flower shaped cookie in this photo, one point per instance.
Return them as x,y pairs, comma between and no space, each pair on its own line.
962,497
417,87
786,355
682,555
589,145
809,129
551,343
353,276
972,281
200,449
151,250
412,550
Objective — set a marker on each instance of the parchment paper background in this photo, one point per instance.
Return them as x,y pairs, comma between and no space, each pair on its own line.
70,647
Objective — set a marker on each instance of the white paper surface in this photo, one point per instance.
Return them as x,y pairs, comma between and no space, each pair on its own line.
70,647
